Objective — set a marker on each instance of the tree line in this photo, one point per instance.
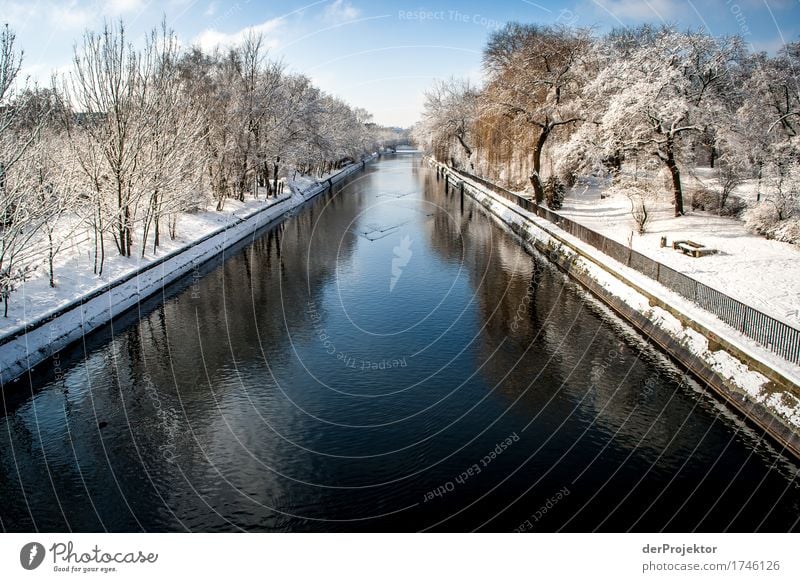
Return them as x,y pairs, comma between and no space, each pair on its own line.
559,102
129,138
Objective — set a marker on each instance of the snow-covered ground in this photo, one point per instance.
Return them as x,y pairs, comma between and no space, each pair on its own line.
74,268
623,282
74,265
764,274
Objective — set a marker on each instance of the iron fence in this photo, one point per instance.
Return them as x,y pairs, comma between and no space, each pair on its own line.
777,336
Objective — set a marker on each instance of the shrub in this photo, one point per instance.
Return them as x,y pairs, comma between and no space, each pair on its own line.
735,206
640,211
764,219
554,192
641,196
761,218
709,201
705,199
787,230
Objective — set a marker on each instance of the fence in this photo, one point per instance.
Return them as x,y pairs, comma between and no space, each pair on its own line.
775,335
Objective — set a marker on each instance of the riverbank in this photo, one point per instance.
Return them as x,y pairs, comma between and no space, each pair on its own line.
760,385
762,273
45,329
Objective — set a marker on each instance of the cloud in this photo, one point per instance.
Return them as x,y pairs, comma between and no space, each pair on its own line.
641,9
211,9
120,7
341,11
211,38
73,14
70,15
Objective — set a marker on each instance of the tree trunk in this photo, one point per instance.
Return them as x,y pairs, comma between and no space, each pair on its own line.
536,180
467,150
102,254
758,186
676,178
96,249
156,231
275,176
121,208
128,233
50,256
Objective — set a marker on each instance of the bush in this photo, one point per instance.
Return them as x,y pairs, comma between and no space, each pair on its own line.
734,206
570,161
705,199
641,196
640,211
763,219
554,192
787,230
709,201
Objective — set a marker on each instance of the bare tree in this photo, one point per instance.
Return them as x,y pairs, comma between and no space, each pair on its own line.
110,90
21,215
171,164
450,112
536,75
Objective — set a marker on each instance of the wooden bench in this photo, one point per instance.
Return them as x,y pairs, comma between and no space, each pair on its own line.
692,249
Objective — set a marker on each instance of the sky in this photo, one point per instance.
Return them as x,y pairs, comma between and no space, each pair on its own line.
379,55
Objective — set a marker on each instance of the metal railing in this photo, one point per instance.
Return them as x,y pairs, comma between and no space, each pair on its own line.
775,335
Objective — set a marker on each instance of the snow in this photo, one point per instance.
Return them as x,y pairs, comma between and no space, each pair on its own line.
74,266
764,274
623,282
75,278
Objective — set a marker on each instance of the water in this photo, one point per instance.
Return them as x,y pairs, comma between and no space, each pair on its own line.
386,359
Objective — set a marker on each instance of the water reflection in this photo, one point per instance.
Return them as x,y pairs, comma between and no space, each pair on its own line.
344,365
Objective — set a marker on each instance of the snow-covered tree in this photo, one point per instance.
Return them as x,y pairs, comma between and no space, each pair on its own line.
49,176
21,213
664,91
135,136
449,114
535,78
109,86
171,165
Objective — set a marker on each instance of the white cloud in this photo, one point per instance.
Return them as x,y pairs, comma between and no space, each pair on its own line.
341,11
212,38
211,10
120,7
70,15
641,9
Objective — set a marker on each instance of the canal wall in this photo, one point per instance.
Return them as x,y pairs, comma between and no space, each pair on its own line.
38,340
762,393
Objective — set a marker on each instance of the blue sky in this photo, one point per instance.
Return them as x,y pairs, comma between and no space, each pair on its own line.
379,55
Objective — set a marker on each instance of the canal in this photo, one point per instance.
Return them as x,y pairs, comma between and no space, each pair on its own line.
386,359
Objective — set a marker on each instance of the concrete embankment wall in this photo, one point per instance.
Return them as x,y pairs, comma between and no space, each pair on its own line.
22,349
762,412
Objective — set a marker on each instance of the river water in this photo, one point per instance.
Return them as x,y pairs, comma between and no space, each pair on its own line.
388,358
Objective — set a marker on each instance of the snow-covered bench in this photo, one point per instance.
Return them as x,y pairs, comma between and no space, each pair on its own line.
692,249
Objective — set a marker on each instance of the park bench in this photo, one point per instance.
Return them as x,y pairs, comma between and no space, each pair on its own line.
692,249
